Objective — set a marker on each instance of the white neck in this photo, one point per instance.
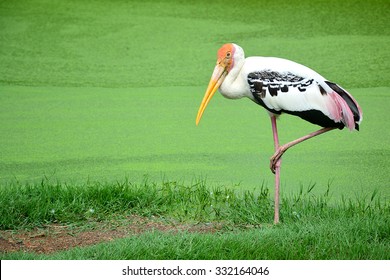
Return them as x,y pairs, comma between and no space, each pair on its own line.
234,86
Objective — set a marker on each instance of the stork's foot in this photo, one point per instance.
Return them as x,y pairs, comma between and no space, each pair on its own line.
275,160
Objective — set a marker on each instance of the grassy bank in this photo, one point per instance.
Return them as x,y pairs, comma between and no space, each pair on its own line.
27,206
311,228
329,240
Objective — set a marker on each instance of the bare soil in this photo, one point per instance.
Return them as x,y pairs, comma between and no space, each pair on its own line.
54,237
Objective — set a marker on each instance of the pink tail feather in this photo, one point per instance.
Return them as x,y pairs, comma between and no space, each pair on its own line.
344,107
346,115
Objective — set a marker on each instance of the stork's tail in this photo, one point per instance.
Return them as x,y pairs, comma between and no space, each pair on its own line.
351,114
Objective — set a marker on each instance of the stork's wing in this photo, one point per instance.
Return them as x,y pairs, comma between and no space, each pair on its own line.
300,91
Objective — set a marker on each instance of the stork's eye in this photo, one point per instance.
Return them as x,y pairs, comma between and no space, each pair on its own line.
228,54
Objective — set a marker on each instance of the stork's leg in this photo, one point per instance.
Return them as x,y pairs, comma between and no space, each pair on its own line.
277,164
275,159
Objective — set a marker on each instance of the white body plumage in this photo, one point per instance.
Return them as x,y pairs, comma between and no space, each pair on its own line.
289,87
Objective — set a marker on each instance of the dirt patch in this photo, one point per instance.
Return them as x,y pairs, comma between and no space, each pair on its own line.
54,237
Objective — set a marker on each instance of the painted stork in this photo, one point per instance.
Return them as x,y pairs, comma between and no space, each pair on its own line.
282,86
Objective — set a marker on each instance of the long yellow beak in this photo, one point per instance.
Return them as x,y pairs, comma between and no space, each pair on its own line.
216,80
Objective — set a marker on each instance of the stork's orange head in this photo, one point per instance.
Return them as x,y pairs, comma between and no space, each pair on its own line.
225,63
225,56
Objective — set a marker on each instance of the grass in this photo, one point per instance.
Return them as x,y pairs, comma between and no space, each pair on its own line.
95,91
301,241
311,229
36,205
